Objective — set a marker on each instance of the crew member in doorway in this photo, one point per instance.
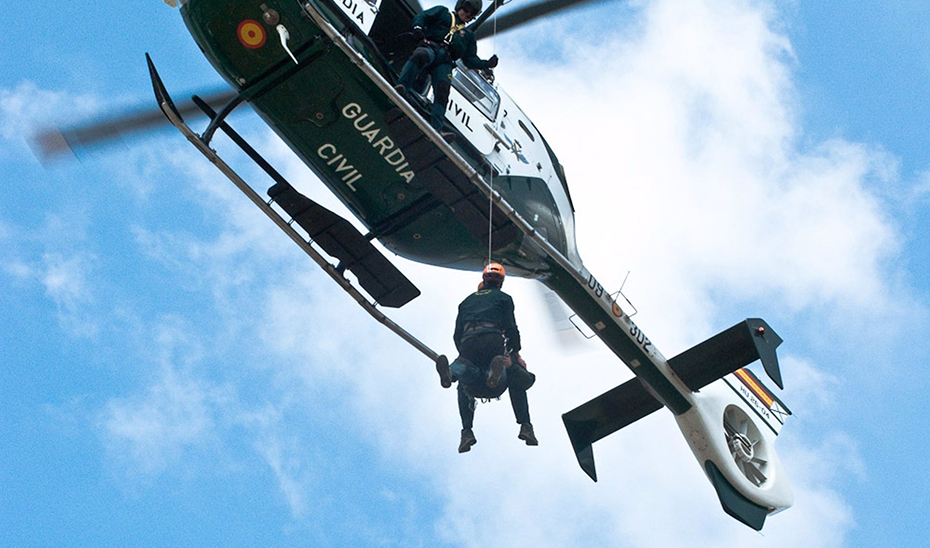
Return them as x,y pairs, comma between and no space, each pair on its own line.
442,38
489,361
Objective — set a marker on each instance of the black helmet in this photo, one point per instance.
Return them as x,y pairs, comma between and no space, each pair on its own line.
473,6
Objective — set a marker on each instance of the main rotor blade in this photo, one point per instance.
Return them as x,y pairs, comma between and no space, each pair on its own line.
486,14
52,143
516,18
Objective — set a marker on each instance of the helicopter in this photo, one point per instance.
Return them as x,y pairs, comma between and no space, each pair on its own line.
321,74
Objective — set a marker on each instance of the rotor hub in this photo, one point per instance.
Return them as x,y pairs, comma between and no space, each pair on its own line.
741,447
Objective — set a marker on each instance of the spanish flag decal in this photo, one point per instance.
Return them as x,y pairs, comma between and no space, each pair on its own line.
251,34
774,405
753,384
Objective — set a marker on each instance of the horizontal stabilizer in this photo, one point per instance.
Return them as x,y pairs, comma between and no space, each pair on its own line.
724,353
376,274
603,416
734,503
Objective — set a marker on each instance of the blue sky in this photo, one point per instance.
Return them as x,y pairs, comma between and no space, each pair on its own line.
174,371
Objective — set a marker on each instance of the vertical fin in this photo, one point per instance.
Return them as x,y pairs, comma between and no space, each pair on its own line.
603,416
735,504
727,351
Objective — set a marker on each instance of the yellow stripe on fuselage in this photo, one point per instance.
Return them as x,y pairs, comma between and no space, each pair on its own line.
756,388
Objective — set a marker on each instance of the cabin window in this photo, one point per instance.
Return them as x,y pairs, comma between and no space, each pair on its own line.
477,90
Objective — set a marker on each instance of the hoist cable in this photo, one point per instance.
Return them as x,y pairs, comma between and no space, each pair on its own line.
490,212
490,165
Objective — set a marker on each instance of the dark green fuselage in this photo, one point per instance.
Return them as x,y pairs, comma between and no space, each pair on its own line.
338,120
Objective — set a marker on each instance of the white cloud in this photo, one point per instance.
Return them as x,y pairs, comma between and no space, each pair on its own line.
692,158
690,172
812,390
691,175
282,455
65,272
922,189
287,471
504,492
183,421
64,279
153,430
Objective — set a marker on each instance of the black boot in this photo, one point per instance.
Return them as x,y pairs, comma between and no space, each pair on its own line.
468,439
445,374
496,371
527,434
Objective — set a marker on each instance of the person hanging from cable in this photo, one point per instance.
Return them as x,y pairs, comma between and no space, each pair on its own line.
489,360
442,38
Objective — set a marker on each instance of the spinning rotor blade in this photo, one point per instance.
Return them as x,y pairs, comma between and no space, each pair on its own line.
743,444
729,423
728,427
753,473
52,143
734,423
518,17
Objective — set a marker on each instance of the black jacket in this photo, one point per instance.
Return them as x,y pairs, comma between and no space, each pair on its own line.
492,306
436,23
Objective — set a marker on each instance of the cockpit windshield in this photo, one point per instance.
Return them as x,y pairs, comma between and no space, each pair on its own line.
476,89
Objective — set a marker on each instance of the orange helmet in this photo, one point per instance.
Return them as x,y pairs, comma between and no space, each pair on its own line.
494,273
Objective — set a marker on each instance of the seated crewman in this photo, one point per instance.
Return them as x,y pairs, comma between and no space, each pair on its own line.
442,39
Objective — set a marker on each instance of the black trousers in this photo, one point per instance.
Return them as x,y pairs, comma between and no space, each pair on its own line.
475,355
437,64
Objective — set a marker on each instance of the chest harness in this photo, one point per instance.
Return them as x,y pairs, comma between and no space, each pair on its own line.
455,27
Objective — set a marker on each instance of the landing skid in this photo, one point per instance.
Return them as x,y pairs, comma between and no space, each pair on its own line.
400,291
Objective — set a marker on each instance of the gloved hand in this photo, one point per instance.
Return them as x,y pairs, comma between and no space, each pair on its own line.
492,62
418,34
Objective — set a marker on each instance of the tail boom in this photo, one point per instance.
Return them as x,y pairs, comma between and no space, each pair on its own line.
715,401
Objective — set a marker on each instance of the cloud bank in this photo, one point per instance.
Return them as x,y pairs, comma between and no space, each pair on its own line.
687,166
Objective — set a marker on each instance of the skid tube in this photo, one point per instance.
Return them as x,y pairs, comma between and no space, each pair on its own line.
167,107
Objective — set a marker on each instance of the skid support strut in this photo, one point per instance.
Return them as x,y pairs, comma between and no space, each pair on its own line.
168,108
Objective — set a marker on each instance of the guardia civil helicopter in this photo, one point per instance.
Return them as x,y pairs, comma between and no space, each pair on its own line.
321,74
